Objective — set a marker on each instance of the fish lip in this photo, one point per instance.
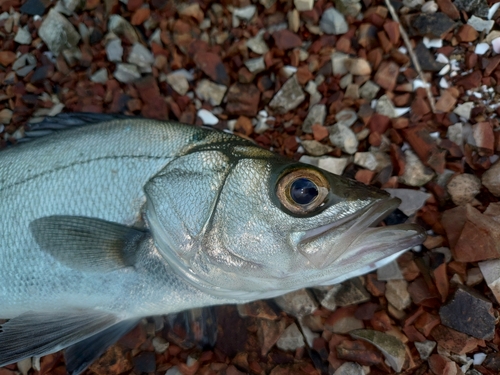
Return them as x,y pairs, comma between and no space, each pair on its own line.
359,223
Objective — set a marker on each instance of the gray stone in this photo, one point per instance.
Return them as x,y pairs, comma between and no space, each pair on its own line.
415,173
369,90
469,312
491,179
5,116
349,368
100,76
455,134
121,27
346,117
333,22
434,25
23,36
464,110
316,115
478,8
142,57
392,348
316,148
126,73
58,33
160,344
474,276
72,5
396,292
256,65
298,303
293,18
291,339
114,50
411,200
288,97
425,348
326,296
343,137
426,59
178,82
351,292
257,43
385,107
210,91
338,63
481,25
390,271
366,160
314,95
491,273
328,163
463,188
302,5
348,7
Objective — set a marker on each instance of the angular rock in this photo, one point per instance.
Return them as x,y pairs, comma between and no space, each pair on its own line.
434,26
491,179
303,5
286,39
343,137
211,64
268,333
351,292
141,57
390,271
100,76
288,97
369,90
387,74
255,65
358,66
393,349
257,43
178,82
126,73
328,163
349,368
316,148
7,58
122,28
338,63
257,309
366,160
316,115
425,348
385,107
210,91
477,7
469,312
415,173
397,294
453,341
473,236
411,200
346,117
291,339
114,50
34,7
333,22
480,25
342,320
426,59
207,117
298,303
58,33
491,273
23,36
243,99
348,7
463,188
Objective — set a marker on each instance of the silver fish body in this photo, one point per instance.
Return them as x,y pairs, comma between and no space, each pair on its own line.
104,224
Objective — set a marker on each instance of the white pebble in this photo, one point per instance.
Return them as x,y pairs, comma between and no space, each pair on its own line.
433,43
495,43
481,48
207,117
444,70
443,83
479,357
442,59
493,10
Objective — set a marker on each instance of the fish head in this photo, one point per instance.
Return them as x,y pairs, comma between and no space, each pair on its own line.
249,224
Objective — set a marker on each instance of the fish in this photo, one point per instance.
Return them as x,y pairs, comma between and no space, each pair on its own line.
107,219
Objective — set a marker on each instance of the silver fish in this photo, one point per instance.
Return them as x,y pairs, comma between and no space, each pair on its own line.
104,224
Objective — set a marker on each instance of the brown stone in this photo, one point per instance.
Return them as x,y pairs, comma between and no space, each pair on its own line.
243,100
342,320
413,334
7,58
392,30
441,280
360,352
374,286
320,132
285,39
244,125
426,322
114,361
484,137
269,332
492,65
477,240
365,176
425,147
440,365
140,15
446,102
466,33
386,75
448,8
454,341
211,64
422,295
470,81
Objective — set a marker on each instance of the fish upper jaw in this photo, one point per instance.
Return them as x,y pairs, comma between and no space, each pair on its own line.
352,238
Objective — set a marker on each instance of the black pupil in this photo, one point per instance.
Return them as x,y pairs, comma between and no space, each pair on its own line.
303,191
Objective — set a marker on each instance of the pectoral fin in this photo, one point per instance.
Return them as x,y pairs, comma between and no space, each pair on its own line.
38,334
81,355
87,244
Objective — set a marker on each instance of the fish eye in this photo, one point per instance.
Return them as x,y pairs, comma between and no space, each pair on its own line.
301,191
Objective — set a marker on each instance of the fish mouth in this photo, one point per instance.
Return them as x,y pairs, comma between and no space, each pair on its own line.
355,236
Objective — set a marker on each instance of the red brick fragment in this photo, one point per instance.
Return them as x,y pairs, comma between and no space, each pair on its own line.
454,341
440,365
446,102
243,99
386,75
448,8
320,132
360,352
484,137
140,15
426,322
425,147
392,30
470,81
211,64
7,58
286,39
466,33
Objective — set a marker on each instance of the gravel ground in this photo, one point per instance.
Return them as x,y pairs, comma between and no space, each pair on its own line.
404,97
